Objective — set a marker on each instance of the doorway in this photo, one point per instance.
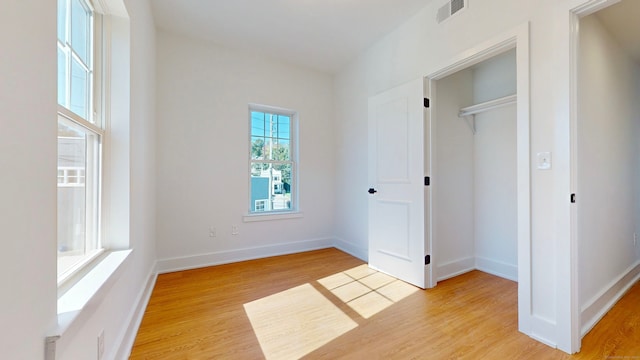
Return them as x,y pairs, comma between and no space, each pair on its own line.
606,156
511,48
474,170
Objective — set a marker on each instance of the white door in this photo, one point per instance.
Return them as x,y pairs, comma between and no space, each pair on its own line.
397,183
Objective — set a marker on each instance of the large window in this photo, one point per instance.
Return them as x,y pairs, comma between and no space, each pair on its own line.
273,159
80,138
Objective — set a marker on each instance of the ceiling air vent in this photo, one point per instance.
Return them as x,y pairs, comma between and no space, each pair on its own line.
450,8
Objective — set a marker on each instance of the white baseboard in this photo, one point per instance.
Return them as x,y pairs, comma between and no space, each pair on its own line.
543,330
231,256
128,337
351,249
455,268
497,268
597,307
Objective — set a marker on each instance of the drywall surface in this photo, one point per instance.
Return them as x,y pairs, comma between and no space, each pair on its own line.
608,164
27,187
495,192
204,92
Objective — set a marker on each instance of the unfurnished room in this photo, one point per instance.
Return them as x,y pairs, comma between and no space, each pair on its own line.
411,179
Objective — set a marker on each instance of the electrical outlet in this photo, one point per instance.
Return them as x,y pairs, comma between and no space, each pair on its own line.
100,344
235,230
212,232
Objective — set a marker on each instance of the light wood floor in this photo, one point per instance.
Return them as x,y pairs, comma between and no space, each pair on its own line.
220,312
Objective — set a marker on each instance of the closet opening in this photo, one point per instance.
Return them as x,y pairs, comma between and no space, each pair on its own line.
474,170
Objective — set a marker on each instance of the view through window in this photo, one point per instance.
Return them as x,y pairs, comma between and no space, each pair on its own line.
272,160
80,136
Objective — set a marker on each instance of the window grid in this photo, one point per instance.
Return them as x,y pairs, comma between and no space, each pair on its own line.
80,138
272,163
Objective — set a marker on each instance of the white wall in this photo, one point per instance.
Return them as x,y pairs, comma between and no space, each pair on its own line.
608,169
420,47
28,150
452,177
203,165
28,191
495,193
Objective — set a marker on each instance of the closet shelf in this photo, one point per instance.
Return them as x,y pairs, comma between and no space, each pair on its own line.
489,105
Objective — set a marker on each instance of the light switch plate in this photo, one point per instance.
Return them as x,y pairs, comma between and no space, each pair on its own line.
544,160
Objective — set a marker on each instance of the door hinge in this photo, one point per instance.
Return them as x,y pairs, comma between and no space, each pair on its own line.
426,102
427,181
573,198
427,259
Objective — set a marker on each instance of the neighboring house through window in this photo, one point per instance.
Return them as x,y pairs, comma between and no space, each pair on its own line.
273,159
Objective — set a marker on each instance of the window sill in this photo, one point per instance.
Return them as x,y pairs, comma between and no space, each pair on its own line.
272,216
88,290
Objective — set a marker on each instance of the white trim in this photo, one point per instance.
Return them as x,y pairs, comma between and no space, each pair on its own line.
230,256
544,330
497,268
272,215
454,268
352,249
127,337
517,38
600,304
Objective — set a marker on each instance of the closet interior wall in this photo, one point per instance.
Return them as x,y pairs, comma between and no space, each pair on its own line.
474,175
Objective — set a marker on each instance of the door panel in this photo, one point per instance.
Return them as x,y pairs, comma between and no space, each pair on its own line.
396,172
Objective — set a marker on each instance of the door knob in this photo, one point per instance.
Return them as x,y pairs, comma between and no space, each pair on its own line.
372,191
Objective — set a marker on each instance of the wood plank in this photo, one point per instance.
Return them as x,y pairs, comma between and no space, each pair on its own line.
202,314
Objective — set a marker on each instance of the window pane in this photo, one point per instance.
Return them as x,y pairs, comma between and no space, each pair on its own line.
280,151
257,124
80,33
62,78
284,127
257,148
62,20
79,90
71,197
77,177
270,187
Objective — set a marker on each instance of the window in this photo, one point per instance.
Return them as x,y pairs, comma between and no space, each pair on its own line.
273,159
261,205
80,138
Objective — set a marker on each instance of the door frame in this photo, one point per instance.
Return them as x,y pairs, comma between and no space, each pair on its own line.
579,9
517,38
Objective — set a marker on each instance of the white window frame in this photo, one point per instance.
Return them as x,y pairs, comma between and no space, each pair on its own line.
263,204
94,125
294,210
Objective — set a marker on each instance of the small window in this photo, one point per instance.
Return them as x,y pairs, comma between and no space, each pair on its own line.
261,205
273,175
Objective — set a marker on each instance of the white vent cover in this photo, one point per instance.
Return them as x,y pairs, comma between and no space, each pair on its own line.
450,8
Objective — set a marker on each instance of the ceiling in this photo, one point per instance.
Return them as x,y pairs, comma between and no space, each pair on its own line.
320,34
622,22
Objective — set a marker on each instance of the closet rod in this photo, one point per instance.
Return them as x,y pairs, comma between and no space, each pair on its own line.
489,105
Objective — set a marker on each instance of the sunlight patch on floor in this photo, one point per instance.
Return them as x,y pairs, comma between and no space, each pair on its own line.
295,322
367,291
298,321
